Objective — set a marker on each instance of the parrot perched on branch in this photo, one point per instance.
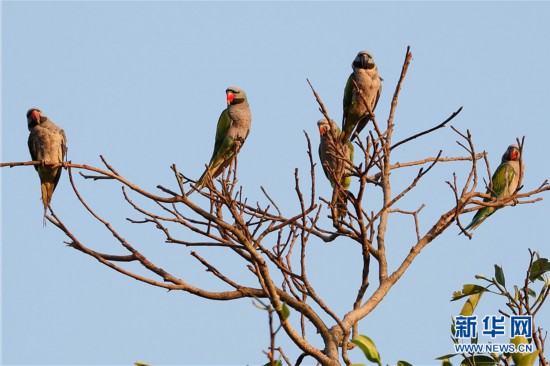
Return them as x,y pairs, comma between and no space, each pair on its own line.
333,155
504,183
365,75
231,132
47,144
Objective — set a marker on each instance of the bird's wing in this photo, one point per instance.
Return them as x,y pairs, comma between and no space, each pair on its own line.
351,151
348,92
224,122
502,179
62,155
33,148
323,157
377,96
63,146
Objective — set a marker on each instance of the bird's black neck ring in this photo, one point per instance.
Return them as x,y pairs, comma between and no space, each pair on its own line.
237,101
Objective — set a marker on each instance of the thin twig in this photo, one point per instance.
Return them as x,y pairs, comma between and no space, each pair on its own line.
441,125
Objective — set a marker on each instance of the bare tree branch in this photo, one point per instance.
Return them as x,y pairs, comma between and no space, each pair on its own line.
272,245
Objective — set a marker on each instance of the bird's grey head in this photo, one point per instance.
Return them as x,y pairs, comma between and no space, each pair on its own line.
326,127
512,154
235,95
34,117
323,126
363,60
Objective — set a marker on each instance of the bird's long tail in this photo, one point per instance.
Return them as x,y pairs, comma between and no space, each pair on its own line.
345,135
479,217
341,204
47,193
214,169
208,172
360,125
201,181
47,186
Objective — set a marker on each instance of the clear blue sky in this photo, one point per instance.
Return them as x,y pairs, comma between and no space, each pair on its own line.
143,84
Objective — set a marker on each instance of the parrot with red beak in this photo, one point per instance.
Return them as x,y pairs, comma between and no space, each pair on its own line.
47,144
231,133
504,183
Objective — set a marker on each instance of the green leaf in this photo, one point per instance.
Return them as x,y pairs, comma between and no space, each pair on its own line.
499,275
538,268
539,299
285,311
467,290
479,360
523,359
531,292
481,277
443,358
259,305
403,363
470,305
519,340
446,363
369,349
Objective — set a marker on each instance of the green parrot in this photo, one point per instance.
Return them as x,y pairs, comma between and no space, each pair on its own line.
365,75
47,144
231,132
505,181
331,153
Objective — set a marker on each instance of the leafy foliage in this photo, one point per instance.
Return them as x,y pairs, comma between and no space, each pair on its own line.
369,349
519,303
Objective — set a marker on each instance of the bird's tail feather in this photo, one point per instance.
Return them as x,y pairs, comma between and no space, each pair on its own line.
346,136
47,193
202,180
210,171
214,169
341,204
479,217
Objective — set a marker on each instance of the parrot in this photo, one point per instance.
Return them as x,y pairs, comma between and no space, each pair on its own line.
330,160
233,128
504,183
47,144
365,74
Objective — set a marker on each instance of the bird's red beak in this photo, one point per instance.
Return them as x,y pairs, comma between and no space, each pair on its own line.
322,130
230,97
36,115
